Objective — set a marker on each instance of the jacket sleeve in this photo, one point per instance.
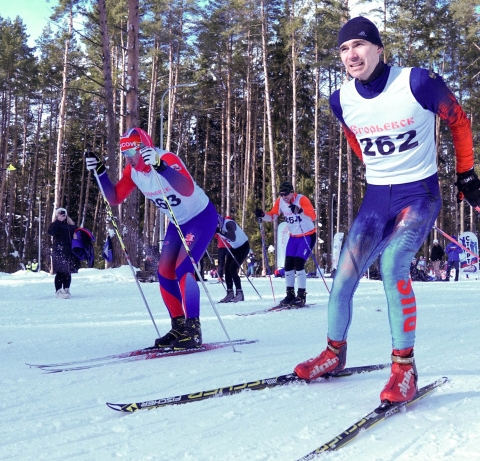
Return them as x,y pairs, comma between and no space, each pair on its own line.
53,228
177,174
274,213
116,194
307,207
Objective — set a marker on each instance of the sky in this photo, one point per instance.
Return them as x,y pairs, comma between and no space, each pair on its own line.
64,416
34,14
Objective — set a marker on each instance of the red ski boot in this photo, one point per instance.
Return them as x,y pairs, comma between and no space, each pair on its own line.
333,358
402,385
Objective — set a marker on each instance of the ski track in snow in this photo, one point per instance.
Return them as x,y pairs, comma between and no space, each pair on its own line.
63,416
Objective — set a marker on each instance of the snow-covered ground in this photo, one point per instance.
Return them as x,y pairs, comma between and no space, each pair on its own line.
64,417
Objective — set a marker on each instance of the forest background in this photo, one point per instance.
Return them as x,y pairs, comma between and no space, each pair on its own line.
239,89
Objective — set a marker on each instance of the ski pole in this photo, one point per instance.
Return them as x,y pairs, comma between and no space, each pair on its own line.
112,218
214,265
192,260
455,241
313,257
265,256
241,268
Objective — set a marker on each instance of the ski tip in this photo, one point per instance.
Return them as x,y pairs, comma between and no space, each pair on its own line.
129,407
441,381
113,406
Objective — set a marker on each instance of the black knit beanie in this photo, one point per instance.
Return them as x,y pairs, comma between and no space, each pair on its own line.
359,28
286,187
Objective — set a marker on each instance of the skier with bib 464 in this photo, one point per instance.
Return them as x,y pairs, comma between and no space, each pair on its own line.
388,116
300,216
193,211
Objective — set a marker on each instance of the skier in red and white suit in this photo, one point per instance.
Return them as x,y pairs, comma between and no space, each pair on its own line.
193,211
388,116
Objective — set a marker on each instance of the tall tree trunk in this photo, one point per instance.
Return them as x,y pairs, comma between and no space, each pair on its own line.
30,231
225,161
131,207
152,106
122,121
61,123
172,81
316,156
207,147
267,101
113,162
152,215
109,94
5,115
294,96
247,167
12,181
228,125
132,64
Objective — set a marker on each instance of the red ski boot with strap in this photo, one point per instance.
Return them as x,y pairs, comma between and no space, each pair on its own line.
402,384
333,358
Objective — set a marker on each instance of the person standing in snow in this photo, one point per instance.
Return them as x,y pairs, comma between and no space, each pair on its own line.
222,252
34,265
388,116
251,264
300,216
436,256
63,259
233,235
162,175
453,254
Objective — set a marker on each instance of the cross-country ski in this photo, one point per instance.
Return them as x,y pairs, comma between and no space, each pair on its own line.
141,354
370,420
145,353
277,308
256,385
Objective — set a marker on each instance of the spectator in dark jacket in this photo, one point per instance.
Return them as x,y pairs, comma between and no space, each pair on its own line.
436,257
251,264
453,253
63,260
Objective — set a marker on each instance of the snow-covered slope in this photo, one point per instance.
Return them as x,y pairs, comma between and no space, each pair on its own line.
64,417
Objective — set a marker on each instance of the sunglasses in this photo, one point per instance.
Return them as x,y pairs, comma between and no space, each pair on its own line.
284,194
62,213
131,152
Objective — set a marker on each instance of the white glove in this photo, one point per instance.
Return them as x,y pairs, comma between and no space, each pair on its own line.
91,163
151,156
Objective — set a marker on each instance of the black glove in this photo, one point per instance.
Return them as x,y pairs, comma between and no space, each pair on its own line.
468,186
162,166
259,213
94,163
296,209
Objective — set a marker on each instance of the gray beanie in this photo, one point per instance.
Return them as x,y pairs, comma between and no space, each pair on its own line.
359,28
